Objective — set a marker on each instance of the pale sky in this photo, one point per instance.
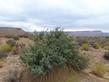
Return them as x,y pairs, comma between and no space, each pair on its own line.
38,15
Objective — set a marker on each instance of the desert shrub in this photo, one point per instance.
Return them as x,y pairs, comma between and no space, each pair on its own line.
106,47
53,48
2,54
5,48
12,75
15,37
11,42
74,77
100,69
24,35
8,36
36,36
30,36
82,40
96,45
106,55
85,46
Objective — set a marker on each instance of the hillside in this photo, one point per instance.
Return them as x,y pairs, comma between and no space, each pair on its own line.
87,33
12,68
9,31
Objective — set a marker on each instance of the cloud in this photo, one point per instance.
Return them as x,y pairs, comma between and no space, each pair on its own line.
41,14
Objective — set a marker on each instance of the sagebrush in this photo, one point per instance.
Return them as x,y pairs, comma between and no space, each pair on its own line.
51,49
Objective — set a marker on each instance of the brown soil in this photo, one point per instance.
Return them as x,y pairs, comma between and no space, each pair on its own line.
13,65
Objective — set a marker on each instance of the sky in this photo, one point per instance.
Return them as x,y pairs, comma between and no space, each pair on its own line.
71,15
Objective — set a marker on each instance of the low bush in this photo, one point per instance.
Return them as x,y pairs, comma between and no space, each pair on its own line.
106,55
8,36
100,69
96,45
5,48
15,37
82,40
11,42
53,49
85,46
74,77
2,54
106,47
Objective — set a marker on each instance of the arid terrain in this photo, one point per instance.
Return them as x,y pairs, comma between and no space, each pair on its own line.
13,70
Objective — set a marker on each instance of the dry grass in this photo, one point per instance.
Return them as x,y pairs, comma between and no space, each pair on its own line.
100,69
57,75
11,75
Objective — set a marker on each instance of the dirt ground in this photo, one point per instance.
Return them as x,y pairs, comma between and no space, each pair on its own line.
12,63
13,69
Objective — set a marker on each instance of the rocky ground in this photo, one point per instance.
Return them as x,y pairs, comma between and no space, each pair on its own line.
11,69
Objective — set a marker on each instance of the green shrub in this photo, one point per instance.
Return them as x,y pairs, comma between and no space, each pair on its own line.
55,48
96,45
36,36
85,46
5,47
106,55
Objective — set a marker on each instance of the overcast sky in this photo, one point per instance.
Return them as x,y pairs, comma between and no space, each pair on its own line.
68,14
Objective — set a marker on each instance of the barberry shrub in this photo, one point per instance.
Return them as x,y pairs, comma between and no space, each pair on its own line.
52,49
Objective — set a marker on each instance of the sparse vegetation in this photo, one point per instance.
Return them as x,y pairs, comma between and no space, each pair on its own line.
74,77
95,42
85,46
11,42
5,48
52,49
51,56
96,45
2,54
12,75
15,37
100,69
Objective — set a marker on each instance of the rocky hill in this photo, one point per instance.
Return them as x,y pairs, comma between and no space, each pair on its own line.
8,31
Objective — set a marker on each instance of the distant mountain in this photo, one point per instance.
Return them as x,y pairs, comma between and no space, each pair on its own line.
87,33
6,31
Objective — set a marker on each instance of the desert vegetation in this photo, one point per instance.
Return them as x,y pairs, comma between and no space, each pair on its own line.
52,49
54,56
100,69
93,42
